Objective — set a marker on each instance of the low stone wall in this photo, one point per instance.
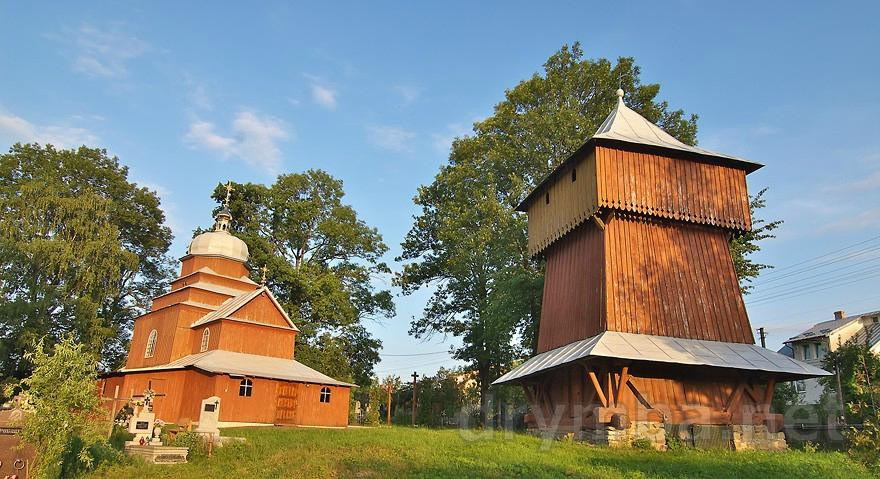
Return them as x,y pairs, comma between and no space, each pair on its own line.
609,436
742,437
747,438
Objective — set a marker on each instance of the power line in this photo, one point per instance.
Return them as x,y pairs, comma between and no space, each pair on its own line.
414,354
783,268
828,279
789,283
828,262
808,290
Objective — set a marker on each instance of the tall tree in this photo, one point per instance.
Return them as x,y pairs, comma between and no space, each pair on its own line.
469,244
82,251
322,263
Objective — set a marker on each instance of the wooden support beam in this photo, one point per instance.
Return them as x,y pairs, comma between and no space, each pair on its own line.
609,381
638,395
768,393
602,399
624,378
750,390
735,396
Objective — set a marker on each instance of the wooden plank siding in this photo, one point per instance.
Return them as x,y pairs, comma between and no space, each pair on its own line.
256,339
213,279
180,393
217,264
672,188
574,283
671,279
571,202
642,275
648,184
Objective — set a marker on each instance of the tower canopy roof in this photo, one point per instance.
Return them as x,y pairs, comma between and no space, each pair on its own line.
626,126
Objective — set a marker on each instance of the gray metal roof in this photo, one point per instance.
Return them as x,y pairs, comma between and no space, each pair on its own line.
664,349
826,328
242,364
624,124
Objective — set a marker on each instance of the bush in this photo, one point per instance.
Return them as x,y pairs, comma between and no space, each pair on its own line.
65,421
195,442
642,443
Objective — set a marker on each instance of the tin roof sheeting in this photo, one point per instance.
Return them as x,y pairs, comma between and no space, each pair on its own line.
664,349
242,364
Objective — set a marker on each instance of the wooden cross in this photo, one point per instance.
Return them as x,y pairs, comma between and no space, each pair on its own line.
415,377
388,404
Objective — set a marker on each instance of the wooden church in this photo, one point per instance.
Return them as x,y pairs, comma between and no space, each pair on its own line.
217,333
642,319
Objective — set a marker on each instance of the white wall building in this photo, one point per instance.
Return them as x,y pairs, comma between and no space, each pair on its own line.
812,345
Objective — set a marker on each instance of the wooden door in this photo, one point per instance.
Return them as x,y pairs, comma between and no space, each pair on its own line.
285,403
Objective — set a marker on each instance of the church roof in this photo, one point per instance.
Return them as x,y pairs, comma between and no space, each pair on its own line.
626,126
233,304
219,361
664,349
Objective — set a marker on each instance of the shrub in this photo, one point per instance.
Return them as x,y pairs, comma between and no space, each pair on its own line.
65,420
194,441
642,443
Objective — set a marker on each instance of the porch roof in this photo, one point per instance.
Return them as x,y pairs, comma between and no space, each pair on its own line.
668,350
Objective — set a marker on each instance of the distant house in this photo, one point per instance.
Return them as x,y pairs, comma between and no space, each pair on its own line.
812,345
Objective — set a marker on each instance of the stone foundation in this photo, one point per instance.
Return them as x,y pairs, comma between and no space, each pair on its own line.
741,437
609,436
758,437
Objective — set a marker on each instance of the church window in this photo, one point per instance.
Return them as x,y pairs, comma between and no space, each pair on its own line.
245,387
206,336
574,175
151,344
325,394
547,198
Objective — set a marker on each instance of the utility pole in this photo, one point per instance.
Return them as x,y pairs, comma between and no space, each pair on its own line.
388,404
763,336
415,377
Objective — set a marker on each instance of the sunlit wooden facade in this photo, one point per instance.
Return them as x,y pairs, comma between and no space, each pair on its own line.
217,333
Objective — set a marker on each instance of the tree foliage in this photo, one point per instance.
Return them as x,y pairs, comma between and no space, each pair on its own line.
469,244
64,419
744,245
82,251
322,264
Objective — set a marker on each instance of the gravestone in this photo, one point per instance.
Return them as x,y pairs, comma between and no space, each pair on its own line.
141,425
209,416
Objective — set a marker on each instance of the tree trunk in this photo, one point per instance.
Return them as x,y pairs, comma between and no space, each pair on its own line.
485,396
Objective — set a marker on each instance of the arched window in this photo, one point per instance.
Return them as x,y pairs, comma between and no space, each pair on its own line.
325,394
245,388
206,336
151,344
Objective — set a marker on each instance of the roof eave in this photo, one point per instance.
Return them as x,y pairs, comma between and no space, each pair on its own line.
740,164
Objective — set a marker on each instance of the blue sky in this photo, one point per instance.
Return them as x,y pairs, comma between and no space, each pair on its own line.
189,94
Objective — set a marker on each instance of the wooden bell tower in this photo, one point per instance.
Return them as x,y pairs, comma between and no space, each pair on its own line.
642,317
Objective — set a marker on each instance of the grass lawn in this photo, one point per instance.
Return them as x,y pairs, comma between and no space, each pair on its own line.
428,453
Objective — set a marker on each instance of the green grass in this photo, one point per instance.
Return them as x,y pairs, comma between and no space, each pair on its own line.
429,453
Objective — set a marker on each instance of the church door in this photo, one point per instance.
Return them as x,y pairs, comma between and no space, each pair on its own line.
285,404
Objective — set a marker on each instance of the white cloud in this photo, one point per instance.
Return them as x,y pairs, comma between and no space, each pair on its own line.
443,141
390,137
105,52
322,93
17,129
254,139
408,93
